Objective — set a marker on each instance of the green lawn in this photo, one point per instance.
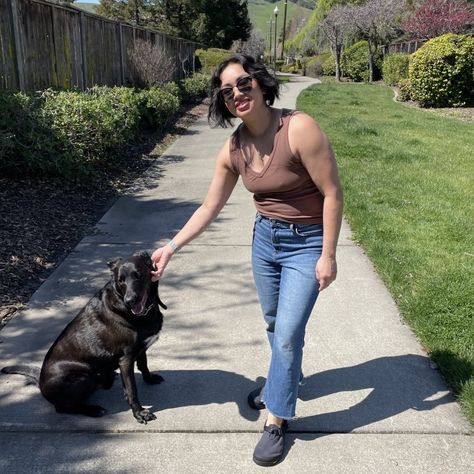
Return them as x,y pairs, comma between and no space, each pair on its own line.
408,178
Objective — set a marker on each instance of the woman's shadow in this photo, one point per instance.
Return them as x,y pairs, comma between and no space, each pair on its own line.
396,384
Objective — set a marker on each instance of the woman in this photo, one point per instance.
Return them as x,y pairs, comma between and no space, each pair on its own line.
286,161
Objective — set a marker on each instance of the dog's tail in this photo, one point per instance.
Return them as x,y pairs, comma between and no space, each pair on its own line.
31,373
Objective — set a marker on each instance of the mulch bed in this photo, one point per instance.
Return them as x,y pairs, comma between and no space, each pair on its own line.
41,221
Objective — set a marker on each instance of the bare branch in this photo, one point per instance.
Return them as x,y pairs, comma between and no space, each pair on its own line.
335,27
151,66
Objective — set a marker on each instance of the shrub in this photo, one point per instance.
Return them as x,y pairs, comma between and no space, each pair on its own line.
329,66
92,123
289,68
194,88
159,107
404,93
126,105
27,145
441,71
395,68
63,133
151,65
355,62
314,64
210,58
173,88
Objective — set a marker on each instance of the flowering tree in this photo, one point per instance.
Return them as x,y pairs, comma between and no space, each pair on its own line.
433,18
376,21
335,26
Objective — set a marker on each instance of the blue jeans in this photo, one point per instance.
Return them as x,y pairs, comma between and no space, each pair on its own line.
284,258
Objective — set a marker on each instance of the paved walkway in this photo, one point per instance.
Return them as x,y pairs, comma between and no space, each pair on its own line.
372,402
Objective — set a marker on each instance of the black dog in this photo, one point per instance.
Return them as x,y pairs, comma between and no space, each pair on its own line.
113,331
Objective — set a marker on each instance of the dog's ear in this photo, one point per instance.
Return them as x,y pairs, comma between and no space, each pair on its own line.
145,256
113,264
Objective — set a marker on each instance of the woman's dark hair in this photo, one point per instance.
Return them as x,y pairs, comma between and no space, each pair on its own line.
219,115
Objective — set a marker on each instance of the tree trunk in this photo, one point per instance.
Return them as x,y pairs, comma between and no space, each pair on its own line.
338,63
372,52
137,14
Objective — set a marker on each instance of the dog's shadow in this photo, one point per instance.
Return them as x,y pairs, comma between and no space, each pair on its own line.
182,388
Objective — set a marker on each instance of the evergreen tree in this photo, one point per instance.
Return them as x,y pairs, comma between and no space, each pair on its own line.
219,23
113,9
212,23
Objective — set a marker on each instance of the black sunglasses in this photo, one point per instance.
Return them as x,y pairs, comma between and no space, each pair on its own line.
244,84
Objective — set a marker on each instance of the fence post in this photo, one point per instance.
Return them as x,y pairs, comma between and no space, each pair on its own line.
122,59
17,39
83,52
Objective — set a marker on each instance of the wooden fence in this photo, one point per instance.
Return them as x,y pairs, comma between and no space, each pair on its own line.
44,44
404,47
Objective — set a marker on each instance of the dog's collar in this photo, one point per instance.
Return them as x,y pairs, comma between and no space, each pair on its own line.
146,311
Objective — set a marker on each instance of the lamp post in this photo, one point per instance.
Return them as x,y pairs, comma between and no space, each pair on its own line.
284,29
271,35
275,45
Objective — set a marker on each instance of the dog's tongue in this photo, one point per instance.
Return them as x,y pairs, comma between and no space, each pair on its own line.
139,307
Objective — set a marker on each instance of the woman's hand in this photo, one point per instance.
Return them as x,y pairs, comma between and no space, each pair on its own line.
160,259
326,271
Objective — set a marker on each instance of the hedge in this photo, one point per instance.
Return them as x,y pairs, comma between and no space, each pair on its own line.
93,122
355,62
28,145
329,65
210,58
441,71
395,68
68,133
405,93
194,88
159,106
315,64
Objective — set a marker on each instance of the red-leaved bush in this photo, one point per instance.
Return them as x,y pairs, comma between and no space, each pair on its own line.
432,18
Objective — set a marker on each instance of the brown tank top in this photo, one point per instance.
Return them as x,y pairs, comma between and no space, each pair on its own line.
283,189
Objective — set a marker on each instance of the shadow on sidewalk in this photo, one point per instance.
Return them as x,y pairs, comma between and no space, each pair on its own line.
396,384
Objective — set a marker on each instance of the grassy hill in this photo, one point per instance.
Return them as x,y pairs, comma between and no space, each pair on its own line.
260,12
90,7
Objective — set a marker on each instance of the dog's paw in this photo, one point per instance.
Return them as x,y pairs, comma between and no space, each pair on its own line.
144,416
153,379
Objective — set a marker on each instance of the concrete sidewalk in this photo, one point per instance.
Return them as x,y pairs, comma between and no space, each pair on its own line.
372,402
